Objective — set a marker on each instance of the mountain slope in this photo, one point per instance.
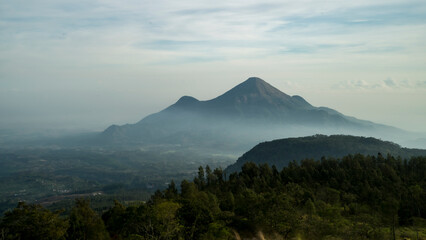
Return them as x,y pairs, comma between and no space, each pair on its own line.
281,152
251,112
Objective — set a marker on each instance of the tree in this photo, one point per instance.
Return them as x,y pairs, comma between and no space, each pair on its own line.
198,210
171,192
167,225
209,175
218,230
279,214
85,223
200,180
33,222
115,219
218,173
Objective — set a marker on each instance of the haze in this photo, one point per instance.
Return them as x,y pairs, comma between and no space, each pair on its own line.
84,65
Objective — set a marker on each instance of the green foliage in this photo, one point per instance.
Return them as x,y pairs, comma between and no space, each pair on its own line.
355,197
218,231
168,225
85,224
32,222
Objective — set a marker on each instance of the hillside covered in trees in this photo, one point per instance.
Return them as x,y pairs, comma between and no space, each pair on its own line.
354,197
282,151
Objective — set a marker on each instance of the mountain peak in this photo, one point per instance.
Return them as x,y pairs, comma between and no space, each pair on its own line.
254,79
252,90
186,100
255,83
252,105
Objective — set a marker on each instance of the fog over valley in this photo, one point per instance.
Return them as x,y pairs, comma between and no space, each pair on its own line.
205,120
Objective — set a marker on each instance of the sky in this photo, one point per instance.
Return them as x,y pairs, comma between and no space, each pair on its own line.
85,65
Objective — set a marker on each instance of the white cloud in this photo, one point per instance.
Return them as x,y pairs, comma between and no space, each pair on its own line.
138,44
358,84
388,83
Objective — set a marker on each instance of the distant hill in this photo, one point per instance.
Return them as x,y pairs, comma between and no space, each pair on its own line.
249,113
281,152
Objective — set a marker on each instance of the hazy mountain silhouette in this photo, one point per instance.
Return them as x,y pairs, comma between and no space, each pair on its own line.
251,112
281,152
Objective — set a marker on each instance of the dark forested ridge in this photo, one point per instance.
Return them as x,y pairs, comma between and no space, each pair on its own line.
353,197
281,152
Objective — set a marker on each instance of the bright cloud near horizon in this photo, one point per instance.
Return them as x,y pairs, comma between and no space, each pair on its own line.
88,64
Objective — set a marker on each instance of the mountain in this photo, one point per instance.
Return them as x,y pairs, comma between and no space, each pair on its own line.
281,152
251,112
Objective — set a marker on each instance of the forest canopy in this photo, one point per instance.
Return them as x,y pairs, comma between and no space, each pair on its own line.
353,197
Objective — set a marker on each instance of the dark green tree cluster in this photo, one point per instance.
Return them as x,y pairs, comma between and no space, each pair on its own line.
355,197
35,222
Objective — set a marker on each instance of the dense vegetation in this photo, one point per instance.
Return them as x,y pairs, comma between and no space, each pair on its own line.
355,197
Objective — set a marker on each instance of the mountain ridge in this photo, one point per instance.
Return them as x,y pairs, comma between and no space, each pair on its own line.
281,152
248,113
